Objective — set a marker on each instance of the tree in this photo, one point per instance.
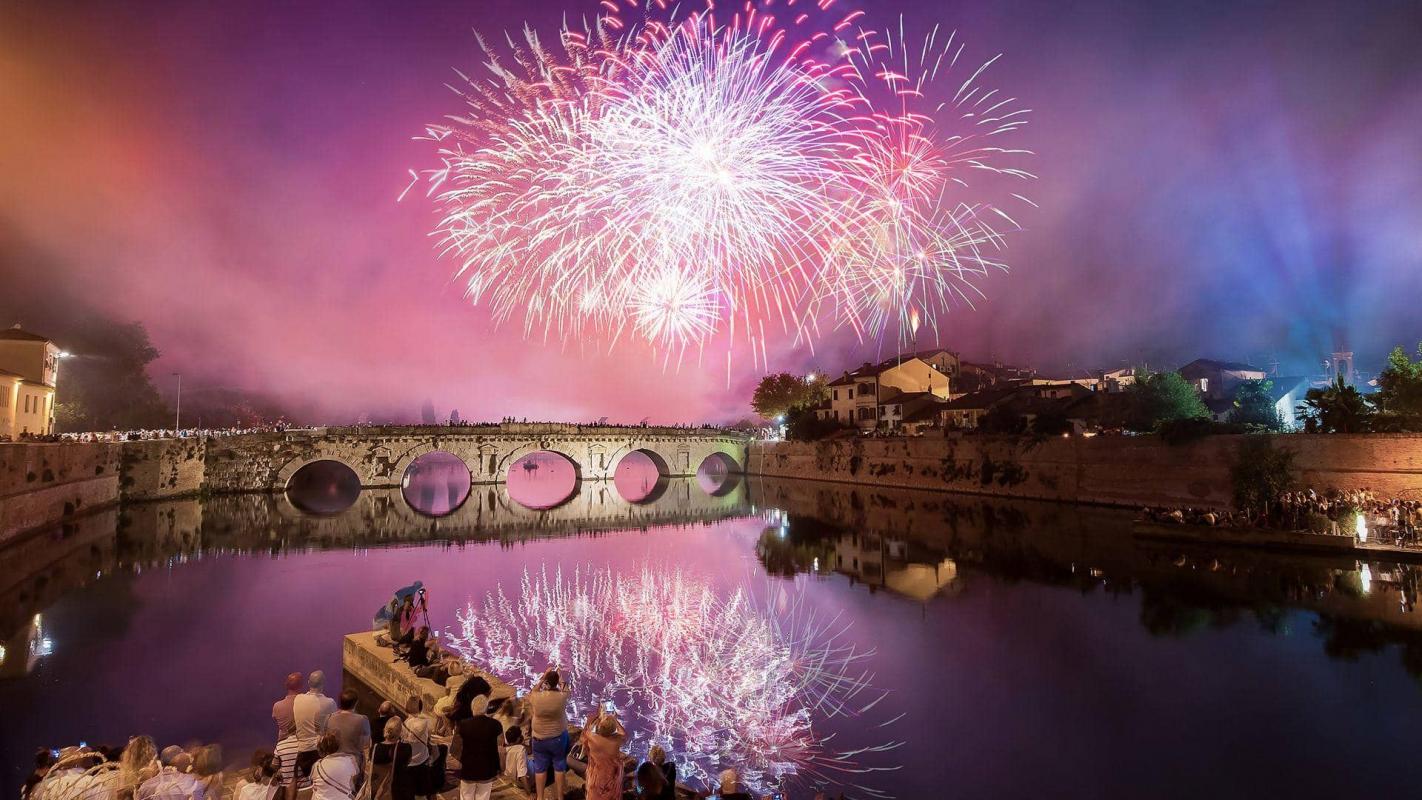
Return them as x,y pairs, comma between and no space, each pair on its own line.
1003,419
1051,421
1161,397
803,425
1399,397
777,394
105,385
1339,408
1254,405
1260,473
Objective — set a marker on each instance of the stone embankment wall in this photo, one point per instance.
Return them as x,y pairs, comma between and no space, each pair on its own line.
44,483
1128,471
40,483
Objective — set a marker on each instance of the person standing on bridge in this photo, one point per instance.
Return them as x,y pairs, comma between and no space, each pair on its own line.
549,703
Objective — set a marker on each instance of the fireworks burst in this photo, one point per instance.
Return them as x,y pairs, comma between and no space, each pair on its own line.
683,176
722,680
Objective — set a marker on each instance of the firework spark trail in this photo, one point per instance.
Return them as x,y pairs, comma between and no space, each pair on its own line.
722,679
679,176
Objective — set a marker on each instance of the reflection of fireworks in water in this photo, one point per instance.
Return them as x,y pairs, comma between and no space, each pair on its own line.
725,682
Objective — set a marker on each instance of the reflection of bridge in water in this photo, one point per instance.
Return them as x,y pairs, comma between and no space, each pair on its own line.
42,568
917,544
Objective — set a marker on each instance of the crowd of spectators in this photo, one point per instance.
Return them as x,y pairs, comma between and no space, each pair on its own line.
324,749
1357,512
137,770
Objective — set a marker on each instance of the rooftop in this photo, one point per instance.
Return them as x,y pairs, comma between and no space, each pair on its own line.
1232,366
16,334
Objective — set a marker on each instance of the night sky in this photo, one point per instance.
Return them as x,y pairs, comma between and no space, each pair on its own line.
1226,179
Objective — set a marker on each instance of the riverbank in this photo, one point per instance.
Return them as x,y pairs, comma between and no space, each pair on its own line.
1120,471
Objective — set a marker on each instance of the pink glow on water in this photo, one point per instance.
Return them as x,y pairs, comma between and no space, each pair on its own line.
542,480
637,478
436,483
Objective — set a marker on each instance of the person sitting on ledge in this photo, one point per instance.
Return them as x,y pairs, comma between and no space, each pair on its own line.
418,656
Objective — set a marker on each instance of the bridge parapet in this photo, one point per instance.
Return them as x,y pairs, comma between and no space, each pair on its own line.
379,456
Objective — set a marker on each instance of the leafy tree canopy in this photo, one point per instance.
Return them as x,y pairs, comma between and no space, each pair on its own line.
1161,397
1260,473
1399,396
1339,408
777,394
1254,405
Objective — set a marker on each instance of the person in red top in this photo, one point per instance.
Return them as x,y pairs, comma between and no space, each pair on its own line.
283,712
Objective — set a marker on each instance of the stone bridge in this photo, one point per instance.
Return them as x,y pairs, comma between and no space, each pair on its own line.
379,456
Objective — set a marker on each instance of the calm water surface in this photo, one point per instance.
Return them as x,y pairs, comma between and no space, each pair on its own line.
1020,649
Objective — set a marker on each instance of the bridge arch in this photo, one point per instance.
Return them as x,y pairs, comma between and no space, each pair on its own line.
718,473
402,464
322,486
542,479
436,483
641,476
295,465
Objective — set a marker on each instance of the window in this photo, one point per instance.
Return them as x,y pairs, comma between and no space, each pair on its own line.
27,404
1204,385
836,394
866,412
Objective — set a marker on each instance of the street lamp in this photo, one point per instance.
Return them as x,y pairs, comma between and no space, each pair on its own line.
178,411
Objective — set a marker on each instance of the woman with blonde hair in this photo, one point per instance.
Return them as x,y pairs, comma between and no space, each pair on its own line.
138,763
658,756
390,775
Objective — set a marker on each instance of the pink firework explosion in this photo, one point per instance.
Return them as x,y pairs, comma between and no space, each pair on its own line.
759,170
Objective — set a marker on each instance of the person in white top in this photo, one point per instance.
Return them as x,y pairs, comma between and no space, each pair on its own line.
79,774
173,781
516,759
311,710
334,776
417,732
264,782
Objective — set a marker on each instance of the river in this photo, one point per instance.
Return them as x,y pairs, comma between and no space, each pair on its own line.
874,641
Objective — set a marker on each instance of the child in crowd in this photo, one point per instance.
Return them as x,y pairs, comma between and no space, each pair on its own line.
516,759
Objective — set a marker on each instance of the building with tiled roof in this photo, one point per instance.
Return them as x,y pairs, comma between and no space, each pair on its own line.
29,369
